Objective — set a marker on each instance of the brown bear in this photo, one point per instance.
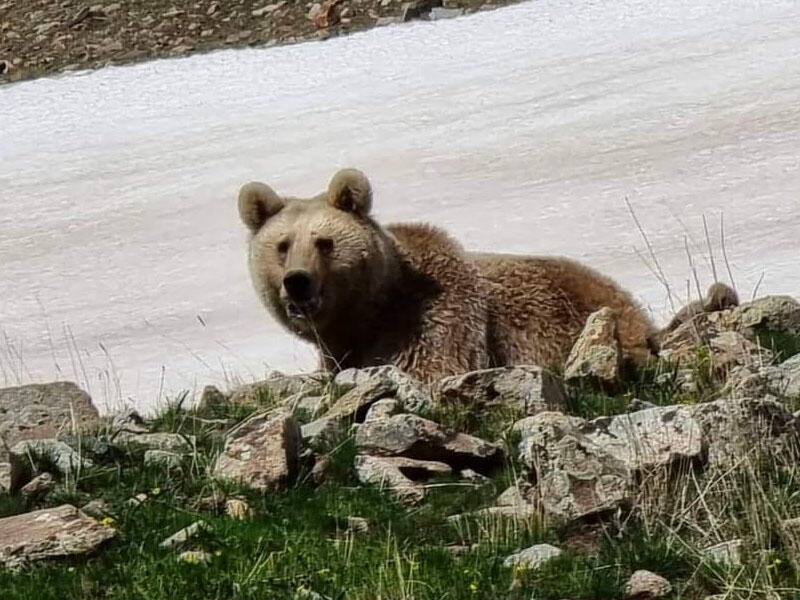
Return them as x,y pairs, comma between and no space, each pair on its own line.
409,295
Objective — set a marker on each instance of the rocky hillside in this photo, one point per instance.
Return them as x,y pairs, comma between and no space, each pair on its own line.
677,481
39,37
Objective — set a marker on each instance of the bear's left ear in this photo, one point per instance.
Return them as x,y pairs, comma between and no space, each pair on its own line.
349,190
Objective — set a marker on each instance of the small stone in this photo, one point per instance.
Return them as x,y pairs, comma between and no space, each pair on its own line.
162,458
47,534
438,13
533,557
644,584
169,442
137,500
400,475
382,409
130,421
357,525
195,557
39,486
46,28
97,509
184,535
174,12
412,395
211,397
315,11
319,472
322,433
383,21
726,553
237,508
213,9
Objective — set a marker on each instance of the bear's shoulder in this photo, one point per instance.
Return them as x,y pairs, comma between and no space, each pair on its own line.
430,251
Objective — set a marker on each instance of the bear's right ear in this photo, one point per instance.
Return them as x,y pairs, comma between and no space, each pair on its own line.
350,191
257,203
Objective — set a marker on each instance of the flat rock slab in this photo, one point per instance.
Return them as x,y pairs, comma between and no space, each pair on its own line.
261,452
412,394
526,389
414,437
49,533
278,386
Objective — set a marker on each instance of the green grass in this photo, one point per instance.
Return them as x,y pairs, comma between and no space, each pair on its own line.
297,541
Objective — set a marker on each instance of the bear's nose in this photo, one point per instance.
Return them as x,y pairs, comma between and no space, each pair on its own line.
298,285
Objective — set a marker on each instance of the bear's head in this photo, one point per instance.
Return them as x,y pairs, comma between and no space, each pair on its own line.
316,261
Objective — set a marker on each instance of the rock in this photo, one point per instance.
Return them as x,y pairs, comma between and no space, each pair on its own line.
357,525
179,538
353,405
237,508
27,457
47,534
576,478
5,477
383,21
769,313
438,13
585,467
195,557
39,486
734,427
315,11
262,452
277,387
319,472
308,408
129,421
412,395
644,584
596,355
167,442
323,433
523,493
137,500
40,411
533,557
97,509
418,8
649,438
516,512
726,553
382,409
162,458
414,437
526,389
400,475
211,398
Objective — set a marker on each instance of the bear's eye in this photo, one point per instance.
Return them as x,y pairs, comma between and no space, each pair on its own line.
325,246
283,246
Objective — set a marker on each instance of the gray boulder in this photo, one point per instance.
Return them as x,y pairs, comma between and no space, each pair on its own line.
525,389
596,355
414,437
404,477
262,452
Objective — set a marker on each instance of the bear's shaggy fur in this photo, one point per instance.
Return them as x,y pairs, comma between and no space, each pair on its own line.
409,295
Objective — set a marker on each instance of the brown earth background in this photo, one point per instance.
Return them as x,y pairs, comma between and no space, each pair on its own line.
44,37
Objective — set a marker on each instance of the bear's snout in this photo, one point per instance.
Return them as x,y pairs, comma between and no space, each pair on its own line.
302,293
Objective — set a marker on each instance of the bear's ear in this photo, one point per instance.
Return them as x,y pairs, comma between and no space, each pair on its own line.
349,190
257,203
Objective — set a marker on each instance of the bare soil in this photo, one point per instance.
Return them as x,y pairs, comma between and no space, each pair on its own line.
43,37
